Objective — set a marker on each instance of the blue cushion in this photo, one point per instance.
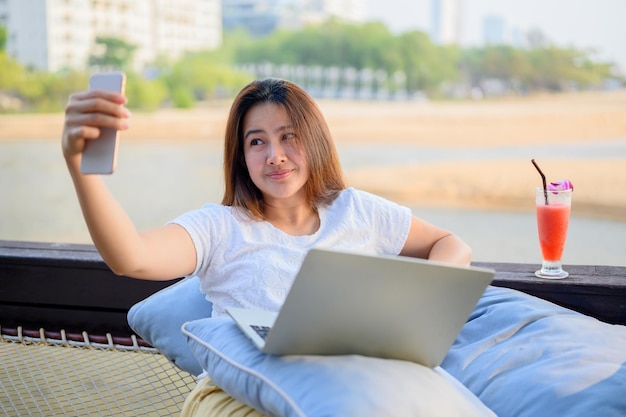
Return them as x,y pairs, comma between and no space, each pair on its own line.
158,320
348,385
524,356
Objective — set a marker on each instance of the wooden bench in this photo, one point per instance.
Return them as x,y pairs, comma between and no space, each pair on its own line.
68,286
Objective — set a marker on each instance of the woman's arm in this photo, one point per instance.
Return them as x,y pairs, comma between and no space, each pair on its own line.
159,254
431,242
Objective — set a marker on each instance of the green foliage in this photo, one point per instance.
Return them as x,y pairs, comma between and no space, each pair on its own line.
46,92
200,76
411,61
182,98
57,89
542,68
145,94
427,66
331,44
370,45
11,74
37,90
112,54
3,38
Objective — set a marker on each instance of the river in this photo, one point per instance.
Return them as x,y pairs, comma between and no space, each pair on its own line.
156,181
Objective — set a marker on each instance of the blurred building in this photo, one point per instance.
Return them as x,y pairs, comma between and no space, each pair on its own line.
493,30
446,22
261,17
59,34
497,31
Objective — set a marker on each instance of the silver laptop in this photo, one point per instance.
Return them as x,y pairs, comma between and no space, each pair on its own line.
383,306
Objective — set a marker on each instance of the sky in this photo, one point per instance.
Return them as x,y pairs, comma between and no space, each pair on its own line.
584,24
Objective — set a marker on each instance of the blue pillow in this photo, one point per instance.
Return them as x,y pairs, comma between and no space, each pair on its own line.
524,356
158,319
348,385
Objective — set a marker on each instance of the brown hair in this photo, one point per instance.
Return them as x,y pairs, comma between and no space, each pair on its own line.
312,133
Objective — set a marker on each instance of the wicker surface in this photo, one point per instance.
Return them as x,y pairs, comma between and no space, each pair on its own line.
43,376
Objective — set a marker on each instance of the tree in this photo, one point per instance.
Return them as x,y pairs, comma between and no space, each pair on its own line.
3,38
426,65
11,74
200,76
537,39
112,54
145,94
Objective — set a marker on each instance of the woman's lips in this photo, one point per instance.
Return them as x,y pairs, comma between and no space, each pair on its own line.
280,174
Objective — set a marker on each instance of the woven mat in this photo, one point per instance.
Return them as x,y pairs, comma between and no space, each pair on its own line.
43,377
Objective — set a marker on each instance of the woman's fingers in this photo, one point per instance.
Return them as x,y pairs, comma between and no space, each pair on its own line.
89,111
77,133
118,122
96,109
106,95
97,102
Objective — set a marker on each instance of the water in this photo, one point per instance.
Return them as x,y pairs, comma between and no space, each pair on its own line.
355,156
156,181
512,237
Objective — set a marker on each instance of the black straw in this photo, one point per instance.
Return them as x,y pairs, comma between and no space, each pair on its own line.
543,180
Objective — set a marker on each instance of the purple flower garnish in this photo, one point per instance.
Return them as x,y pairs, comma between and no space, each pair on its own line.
561,186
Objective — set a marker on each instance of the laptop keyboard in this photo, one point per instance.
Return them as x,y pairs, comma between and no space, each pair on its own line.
261,330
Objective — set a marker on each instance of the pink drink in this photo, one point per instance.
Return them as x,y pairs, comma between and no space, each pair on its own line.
552,222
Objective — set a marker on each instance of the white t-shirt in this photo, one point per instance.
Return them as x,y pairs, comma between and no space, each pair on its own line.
252,264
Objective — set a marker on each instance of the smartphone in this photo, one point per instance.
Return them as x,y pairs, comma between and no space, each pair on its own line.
100,155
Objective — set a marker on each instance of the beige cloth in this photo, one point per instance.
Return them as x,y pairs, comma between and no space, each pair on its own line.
208,400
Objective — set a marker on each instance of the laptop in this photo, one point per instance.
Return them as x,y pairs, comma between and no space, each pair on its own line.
383,306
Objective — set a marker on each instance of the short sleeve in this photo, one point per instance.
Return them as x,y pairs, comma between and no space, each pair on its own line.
206,227
370,221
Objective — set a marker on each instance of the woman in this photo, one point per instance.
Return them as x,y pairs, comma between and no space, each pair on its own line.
284,194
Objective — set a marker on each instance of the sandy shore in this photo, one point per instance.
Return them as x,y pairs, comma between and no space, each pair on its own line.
505,183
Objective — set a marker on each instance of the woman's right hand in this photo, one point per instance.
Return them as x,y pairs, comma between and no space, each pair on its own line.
162,253
88,111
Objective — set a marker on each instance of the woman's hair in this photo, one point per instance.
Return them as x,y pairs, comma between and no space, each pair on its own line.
312,135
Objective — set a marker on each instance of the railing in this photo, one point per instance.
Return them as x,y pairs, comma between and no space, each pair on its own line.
65,287
68,287
339,82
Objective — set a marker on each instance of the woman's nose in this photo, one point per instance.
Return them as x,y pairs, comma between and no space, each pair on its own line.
276,154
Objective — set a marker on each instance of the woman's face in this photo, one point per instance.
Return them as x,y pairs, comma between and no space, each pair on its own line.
275,161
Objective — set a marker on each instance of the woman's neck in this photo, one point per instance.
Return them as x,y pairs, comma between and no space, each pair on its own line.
301,220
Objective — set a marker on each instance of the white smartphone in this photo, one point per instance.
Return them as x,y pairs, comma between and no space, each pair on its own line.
100,155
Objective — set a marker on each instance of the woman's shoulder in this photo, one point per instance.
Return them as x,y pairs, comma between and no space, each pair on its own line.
364,203
209,209
213,212
352,195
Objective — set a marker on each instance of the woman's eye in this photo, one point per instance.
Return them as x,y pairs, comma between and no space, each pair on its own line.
255,142
289,136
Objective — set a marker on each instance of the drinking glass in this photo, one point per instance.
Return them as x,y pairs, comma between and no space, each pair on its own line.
553,210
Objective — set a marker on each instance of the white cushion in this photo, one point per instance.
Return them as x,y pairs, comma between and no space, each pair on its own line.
527,357
349,385
158,318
